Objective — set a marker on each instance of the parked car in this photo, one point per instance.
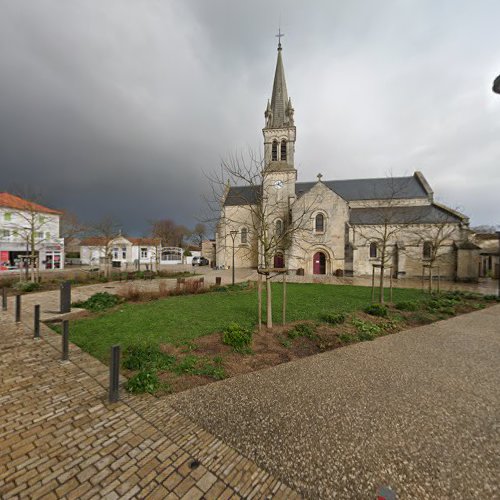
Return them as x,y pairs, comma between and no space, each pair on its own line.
200,261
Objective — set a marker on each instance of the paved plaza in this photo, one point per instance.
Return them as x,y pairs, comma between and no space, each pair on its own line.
59,438
417,411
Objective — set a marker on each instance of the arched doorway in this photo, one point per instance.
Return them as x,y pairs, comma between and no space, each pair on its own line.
279,261
319,263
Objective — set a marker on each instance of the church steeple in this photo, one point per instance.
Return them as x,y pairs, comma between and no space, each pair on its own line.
279,131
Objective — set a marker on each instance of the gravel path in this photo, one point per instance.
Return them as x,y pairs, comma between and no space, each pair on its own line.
416,411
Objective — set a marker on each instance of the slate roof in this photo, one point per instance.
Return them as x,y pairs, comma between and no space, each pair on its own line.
12,201
425,214
349,190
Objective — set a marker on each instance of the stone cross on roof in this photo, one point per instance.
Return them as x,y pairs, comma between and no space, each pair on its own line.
319,176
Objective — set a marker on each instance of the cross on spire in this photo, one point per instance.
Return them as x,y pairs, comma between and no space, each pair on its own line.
278,36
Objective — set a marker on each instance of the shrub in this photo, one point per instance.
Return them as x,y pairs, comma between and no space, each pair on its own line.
99,302
347,338
302,330
368,335
491,297
367,327
139,357
408,305
377,310
238,337
26,286
334,318
144,381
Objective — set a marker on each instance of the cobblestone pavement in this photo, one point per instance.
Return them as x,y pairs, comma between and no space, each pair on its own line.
417,411
59,438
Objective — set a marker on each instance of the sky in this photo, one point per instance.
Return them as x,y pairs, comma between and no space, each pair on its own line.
122,108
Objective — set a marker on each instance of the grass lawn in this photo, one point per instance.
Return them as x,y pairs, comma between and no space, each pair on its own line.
184,318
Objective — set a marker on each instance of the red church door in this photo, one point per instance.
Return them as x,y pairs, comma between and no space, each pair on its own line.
279,261
319,263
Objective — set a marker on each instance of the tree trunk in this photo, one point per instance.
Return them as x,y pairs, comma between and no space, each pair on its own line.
381,283
259,292
269,307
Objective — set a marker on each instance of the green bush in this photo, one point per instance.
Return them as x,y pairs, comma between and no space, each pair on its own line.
334,318
491,297
347,338
377,310
26,286
139,357
302,330
408,305
367,327
99,302
238,337
144,381
368,335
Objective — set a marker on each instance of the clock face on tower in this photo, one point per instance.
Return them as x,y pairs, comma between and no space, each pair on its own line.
278,184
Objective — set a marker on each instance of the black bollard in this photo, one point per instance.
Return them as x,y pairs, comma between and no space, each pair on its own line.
65,297
4,299
18,308
36,325
114,374
65,340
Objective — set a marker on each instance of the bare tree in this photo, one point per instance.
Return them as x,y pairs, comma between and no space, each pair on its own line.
198,234
169,232
105,231
275,221
71,227
380,222
435,237
31,222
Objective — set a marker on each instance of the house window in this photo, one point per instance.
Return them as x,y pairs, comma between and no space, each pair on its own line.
7,216
41,218
427,250
319,223
39,234
6,233
373,250
274,153
244,235
124,252
144,253
279,227
115,253
47,235
283,150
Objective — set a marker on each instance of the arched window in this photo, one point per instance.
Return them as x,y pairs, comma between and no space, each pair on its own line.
427,250
279,227
274,154
283,150
373,250
319,223
244,235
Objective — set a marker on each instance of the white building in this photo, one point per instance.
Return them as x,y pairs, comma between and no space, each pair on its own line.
127,252
23,221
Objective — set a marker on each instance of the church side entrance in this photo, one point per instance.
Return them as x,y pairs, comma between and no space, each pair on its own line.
279,261
319,263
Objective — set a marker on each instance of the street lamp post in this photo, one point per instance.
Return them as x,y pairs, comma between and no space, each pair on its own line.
233,236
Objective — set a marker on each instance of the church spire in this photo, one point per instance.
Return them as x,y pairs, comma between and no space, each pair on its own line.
280,113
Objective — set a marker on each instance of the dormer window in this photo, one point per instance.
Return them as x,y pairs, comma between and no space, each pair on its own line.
274,154
319,223
283,150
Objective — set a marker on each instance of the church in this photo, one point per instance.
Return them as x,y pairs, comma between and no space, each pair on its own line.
334,227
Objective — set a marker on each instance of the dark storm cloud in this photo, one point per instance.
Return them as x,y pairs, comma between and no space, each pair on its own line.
117,107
